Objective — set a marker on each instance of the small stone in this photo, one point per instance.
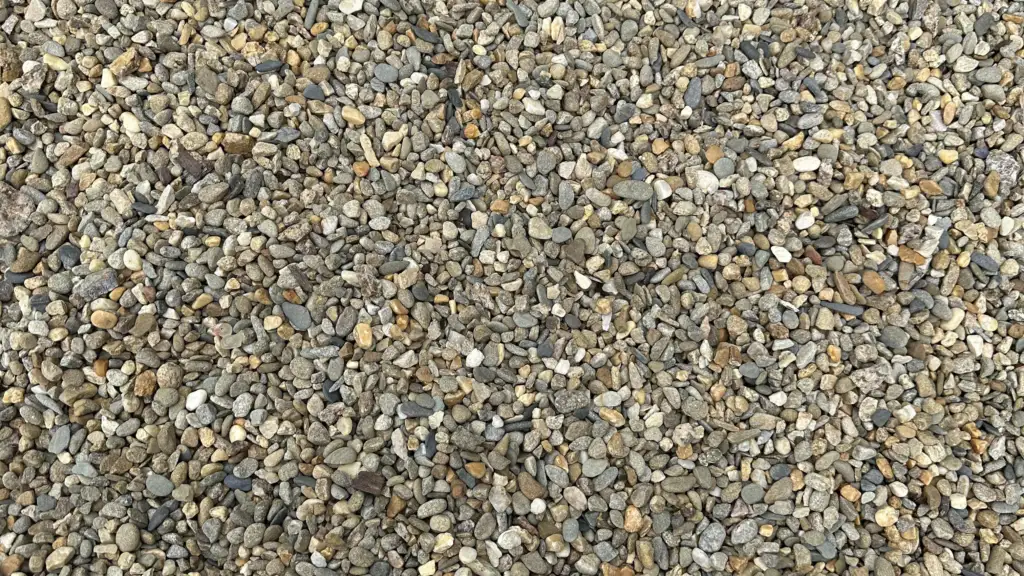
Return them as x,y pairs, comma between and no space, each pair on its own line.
103,319
636,190
705,182
126,63
195,399
633,520
240,144
539,228
132,260
350,6
5,113
353,116
781,254
363,335
385,73
16,208
128,538
874,281
948,156
806,164
712,538
59,558
369,482
159,485
886,516
298,316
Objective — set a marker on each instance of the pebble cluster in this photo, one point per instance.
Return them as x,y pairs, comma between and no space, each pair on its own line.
508,287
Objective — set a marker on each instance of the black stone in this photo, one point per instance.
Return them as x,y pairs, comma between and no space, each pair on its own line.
421,293
881,417
984,261
426,35
143,208
314,92
269,66
331,395
369,482
70,255
236,483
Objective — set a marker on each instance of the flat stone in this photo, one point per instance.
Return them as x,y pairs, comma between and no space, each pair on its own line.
96,284
159,485
298,316
633,190
806,164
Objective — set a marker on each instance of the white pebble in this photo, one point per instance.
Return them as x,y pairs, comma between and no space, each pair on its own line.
467,554
705,182
195,399
807,164
132,260
663,189
474,358
781,254
805,221
957,501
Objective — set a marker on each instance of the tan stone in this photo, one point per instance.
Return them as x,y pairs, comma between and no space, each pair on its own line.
709,261
477,469
907,254
10,564
886,516
103,319
991,185
529,486
235,143
850,493
364,335
930,187
714,153
126,63
5,113
353,116
874,281
145,384
633,521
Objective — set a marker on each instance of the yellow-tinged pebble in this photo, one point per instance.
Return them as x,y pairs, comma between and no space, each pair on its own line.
364,335
948,156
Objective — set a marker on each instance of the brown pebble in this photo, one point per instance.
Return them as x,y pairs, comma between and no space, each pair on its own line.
714,153
364,335
874,281
103,319
145,384
476,469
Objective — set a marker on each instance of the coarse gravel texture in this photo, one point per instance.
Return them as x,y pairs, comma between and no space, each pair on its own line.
500,287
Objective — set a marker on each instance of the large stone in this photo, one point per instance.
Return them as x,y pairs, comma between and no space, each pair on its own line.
16,207
633,190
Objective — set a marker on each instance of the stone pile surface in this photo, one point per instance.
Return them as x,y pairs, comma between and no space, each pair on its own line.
507,287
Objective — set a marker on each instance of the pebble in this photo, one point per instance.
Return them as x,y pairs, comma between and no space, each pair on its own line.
634,190
806,164
781,254
159,485
128,538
